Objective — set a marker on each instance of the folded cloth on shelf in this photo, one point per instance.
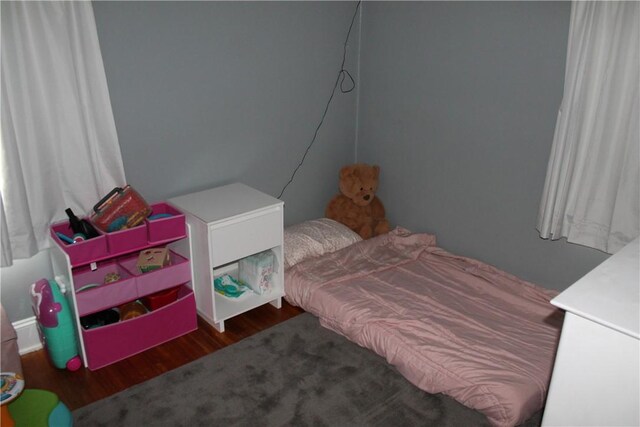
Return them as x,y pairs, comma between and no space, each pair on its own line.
228,286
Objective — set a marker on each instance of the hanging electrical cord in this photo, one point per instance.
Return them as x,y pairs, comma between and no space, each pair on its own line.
340,80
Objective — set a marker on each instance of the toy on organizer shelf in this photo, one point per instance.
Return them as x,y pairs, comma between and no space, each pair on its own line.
81,226
101,318
78,237
121,208
64,238
55,324
117,224
160,299
131,309
160,216
87,287
111,277
153,259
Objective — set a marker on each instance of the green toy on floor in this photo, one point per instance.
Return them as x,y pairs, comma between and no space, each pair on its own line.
39,408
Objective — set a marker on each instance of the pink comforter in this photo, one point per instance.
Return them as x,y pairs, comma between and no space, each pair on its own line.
449,324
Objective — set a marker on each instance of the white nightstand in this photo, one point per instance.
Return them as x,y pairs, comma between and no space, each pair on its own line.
596,374
227,224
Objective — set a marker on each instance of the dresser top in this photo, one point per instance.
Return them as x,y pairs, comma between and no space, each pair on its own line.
222,203
610,293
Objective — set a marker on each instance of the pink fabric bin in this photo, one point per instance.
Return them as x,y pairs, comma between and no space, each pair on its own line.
157,280
81,252
123,241
108,344
164,229
106,295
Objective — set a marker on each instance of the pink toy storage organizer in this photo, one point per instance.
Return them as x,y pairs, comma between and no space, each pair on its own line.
117,252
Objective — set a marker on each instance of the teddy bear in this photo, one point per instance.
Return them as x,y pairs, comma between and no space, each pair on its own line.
357,206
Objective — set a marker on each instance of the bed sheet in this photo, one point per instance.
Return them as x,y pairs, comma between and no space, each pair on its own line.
449,324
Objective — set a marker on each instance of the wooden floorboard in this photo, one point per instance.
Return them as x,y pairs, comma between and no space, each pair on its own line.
77,389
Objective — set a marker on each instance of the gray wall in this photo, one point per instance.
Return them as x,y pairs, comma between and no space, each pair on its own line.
208,93
458,104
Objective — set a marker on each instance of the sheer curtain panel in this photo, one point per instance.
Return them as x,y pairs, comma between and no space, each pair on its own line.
59,145
591,193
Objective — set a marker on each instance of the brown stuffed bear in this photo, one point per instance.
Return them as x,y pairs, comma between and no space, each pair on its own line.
358,207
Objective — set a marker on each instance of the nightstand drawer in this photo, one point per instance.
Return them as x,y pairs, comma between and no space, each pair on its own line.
245,235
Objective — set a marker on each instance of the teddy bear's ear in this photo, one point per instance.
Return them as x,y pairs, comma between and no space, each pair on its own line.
376,171
346,171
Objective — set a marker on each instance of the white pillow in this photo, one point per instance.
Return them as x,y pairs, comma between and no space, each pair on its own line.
314,238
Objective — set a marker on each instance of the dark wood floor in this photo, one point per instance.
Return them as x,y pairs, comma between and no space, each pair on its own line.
77,389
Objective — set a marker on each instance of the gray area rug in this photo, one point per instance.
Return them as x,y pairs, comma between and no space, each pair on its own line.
293,374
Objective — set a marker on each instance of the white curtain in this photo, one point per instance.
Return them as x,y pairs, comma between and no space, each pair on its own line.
591,193
59,145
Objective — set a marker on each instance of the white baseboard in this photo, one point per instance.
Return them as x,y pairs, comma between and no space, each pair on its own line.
28,338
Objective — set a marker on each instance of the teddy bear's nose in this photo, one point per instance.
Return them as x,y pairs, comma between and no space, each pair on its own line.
367,197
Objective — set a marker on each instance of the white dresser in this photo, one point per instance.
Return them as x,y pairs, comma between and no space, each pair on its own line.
227,224
596,378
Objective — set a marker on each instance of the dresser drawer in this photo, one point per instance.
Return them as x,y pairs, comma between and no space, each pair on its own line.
245,235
